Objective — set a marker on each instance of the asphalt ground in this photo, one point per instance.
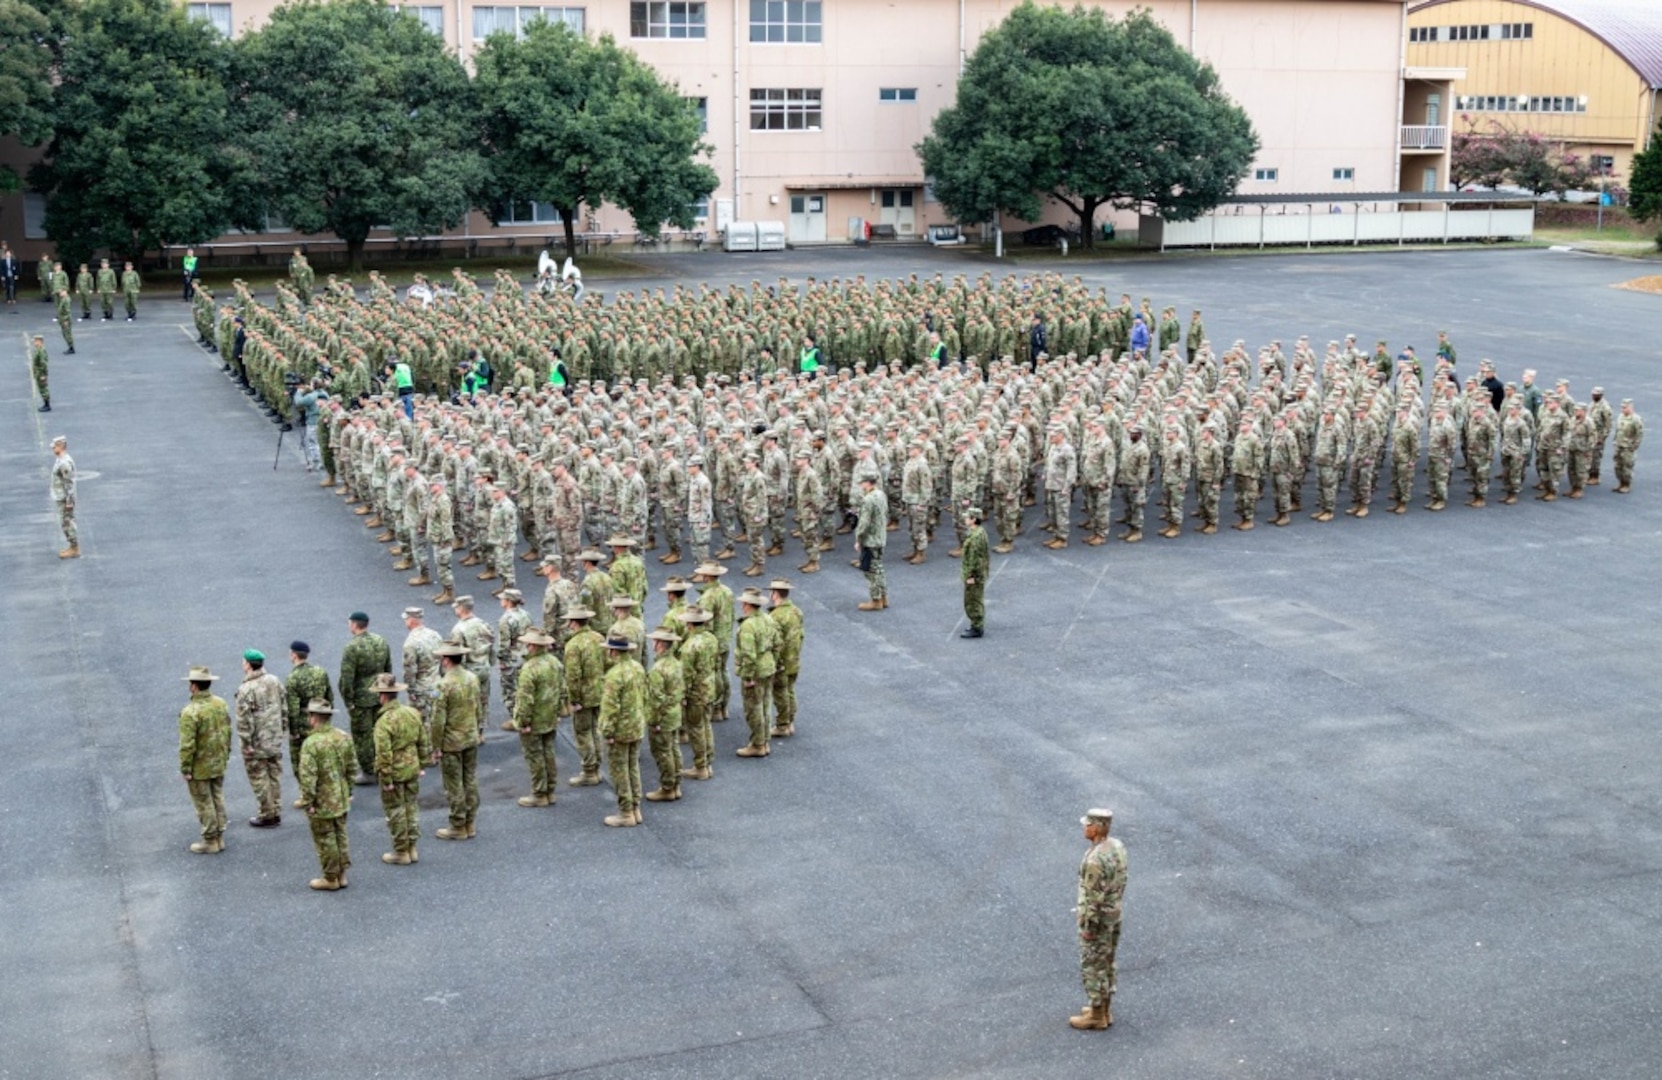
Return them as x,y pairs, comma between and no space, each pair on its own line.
1389,787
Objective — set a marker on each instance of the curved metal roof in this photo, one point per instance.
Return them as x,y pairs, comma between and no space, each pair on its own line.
1632,28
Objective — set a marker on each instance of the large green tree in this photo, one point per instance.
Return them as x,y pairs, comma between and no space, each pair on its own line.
1089,111
353,116
1644,182
574,122
25,78
137,157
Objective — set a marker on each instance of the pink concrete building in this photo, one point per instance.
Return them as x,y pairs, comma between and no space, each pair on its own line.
813,106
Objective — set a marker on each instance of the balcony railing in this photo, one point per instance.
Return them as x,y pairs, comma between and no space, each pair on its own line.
1424,136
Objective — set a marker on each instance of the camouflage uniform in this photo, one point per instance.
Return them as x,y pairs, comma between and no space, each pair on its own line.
327,762
476,634
700,510
665,695
204,749
871,533
585,667
787,625
700,658
622,723
754,664
455,737
1101,890
402,749
364,657
1630,432
421,669
306,682
260,724
538,704
717,599
753,505
510,652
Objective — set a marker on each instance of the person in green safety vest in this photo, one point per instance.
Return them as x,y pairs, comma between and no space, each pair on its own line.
937,350
808,360
190,272
404,384
559,376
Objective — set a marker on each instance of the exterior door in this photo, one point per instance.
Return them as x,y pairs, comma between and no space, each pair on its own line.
1433,110
807,218
1428,180
897,210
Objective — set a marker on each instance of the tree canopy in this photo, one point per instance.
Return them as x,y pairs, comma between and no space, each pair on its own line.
25,78
574,123
1644,182
1525,159
140,126
352,116
1089,111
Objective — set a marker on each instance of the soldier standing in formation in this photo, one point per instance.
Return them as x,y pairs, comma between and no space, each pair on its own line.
666,704
402,747
306,682
327,762
538,705
39,365
455,740
364,657
261,725
622,723
204,749
973,572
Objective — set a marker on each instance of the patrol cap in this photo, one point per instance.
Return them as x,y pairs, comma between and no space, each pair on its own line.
200,674
536,637
696,459
253,656
664,635
1097,817
414,613
59,439
462,601
1597,391
387,683
300,647
319,707
550,560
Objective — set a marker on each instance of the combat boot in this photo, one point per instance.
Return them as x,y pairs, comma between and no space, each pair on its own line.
531,556
670,559
1209,529
472,830
1004,549
325,884
328,481
1094,1018
776,549
585,779
1622,489
447,833
811,566
385,536
1281,519
471,559
363,511
1510,500
420,579
396,858
1575,493
73,551
621,820
1479,503
726,552
828,545
868,605
406,564
752,751
1133,537
663,794
533,800
1362,511
374,522
1243,526
489,575
203,847
955,553
448,596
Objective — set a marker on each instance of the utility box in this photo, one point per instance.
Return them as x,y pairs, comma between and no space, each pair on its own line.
740,236
770,236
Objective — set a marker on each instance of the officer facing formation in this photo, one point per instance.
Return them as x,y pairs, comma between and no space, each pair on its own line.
1101,891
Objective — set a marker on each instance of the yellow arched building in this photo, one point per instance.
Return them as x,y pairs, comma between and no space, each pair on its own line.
1587,72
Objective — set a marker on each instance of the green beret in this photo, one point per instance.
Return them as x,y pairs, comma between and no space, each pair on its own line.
253,656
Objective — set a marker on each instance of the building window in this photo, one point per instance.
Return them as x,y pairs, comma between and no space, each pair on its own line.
1603,164
791,22
1520,31
1513,103
216,15
514,20
785,110
1267,175
898,94
702,104
431,17
661,19
529,213
700,209
1344,173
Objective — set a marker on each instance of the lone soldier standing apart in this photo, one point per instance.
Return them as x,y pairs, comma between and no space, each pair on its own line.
401,749
63,493
204,748
364,657
327,762
39,364
260,728
1101,888
974,572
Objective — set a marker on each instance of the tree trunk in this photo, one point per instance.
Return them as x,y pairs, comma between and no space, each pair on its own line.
568,218
1087,220
354,254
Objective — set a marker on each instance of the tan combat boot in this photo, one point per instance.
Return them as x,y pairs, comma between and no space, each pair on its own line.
1133,537
325,884
73,551
421,579
621,820
586,779
533,800
447,833
445,597
406,564
396,858
1094,1018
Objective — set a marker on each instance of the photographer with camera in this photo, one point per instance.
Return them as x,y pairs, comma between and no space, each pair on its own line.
305,394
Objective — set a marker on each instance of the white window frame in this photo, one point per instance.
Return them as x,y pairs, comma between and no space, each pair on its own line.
527,212
787,22
805,106
1268,174
217,16
431,15
657,20
1344,174
700,209
898,95
524,15
702,105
